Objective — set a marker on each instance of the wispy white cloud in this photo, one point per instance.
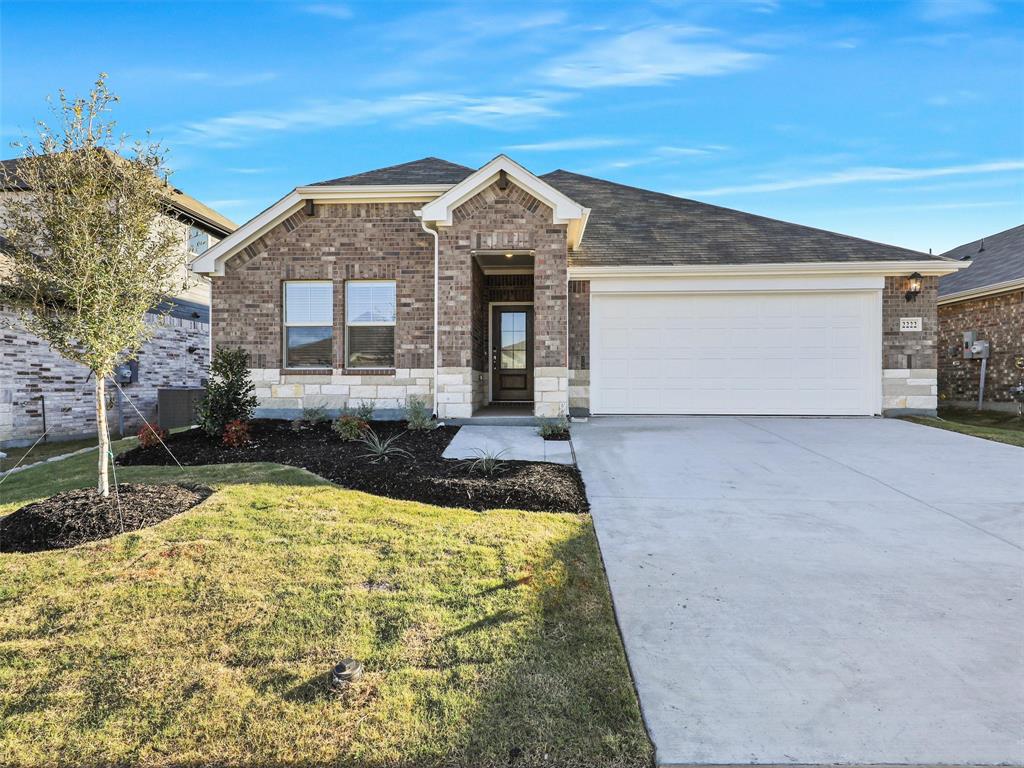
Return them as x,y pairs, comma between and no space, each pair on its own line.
149,75
953,10
860,175
956,98
332,10
706,149
936,206
650,56
498,112
560,145
247,171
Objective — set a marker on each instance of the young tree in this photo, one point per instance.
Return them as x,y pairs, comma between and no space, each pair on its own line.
90,250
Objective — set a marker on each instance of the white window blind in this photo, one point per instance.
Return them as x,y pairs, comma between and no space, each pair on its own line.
370,311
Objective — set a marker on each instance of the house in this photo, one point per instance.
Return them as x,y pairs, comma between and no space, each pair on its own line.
565,293
988,299
39,387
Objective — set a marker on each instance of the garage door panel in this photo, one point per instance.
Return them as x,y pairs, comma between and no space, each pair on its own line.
771,353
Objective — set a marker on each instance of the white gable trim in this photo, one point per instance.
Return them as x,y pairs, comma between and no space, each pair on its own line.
566,211
212,261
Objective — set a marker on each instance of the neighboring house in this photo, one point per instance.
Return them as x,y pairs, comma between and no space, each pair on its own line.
987,298
565,292
39,386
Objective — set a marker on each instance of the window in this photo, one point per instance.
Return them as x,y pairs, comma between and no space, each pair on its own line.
308,324
370,324
198,241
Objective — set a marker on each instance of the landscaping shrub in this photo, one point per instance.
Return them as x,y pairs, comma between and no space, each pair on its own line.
229,393
236,433
363,411
553,428
311,417
150,435
349,427
418,416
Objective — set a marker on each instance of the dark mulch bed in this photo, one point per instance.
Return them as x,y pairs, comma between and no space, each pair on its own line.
424,476
75,517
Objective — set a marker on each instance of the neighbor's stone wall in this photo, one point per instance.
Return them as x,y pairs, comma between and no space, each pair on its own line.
29,368
340,242
579,347
998,320
909,359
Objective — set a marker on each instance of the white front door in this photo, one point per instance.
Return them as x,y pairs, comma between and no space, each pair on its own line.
799,353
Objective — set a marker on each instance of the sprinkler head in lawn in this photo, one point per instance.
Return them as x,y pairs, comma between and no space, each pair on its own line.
345,673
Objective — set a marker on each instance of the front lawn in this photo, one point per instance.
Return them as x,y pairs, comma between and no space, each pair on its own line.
488,638
991,425
42,451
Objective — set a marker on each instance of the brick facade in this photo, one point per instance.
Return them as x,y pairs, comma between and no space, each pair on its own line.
338,243
496,219
909,358
579,346
30,369
1000,321
386,241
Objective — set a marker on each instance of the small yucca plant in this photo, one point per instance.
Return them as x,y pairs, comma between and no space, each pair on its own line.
486,463
380,449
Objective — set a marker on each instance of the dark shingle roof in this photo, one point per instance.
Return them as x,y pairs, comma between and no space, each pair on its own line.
629,225
1001,260
185,204
429,170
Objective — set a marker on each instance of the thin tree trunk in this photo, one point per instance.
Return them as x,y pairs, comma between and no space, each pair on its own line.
103,486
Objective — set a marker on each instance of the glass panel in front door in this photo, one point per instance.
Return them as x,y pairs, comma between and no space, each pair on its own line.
513,341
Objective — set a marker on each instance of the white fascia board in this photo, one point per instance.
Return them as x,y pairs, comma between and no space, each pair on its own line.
835,283
211,262
925,267
439,211
347,193
982,291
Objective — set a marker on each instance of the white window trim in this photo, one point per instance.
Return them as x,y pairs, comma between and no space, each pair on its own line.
369,324
286,324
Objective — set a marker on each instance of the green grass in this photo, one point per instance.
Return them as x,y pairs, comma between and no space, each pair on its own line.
42,452
991,425
204,640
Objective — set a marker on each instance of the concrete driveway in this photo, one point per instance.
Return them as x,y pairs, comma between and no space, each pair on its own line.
815,590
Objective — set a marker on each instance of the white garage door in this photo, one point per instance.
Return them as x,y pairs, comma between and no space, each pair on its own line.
736,353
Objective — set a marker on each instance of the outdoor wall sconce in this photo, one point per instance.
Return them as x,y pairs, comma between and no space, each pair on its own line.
913,287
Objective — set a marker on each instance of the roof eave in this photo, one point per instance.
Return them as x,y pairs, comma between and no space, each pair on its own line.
927,267
982,291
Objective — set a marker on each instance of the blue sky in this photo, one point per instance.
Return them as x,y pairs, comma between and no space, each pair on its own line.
896,121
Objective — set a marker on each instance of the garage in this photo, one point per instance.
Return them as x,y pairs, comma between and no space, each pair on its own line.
709,350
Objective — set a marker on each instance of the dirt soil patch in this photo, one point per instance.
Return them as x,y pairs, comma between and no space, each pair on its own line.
422,475
75,517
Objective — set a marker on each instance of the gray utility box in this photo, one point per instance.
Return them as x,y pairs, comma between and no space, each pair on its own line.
176,406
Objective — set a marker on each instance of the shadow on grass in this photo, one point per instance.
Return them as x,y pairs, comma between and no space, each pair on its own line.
563,695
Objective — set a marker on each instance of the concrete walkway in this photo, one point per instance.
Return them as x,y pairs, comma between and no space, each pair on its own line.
515,443
815,591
